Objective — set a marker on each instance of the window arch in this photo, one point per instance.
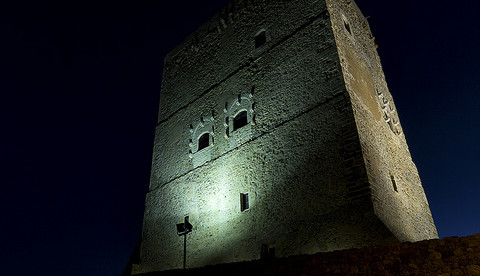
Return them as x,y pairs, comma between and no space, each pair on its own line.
239,113
202,134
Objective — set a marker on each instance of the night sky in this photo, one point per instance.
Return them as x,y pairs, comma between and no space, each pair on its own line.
79,91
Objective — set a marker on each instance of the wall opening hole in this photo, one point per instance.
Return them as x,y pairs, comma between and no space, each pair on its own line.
244,204
260,39
204,141
240,120
394,183
347,27
271,252
267,252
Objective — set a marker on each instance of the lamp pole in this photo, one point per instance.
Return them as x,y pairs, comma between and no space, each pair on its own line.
182,230
185,251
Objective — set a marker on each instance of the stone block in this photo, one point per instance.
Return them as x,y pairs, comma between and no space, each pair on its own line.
458,252
435,255
457,272
473,270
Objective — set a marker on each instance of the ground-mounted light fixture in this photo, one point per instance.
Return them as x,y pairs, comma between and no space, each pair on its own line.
182,230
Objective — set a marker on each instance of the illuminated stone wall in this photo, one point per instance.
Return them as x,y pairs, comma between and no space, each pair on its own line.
299,157
397,193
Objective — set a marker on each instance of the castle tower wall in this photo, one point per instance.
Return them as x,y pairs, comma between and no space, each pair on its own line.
259,143
397,193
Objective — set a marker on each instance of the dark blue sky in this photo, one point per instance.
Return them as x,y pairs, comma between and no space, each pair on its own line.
79,90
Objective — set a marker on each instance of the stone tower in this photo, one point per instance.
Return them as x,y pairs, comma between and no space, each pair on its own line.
277,136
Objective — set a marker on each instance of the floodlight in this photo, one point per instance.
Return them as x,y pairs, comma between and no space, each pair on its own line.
184,228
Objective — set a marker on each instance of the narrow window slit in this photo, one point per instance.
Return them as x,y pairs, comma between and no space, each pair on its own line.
394,183
347,27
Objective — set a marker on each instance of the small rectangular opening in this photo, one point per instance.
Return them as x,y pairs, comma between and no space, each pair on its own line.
267,251
244,205
271,252
260,39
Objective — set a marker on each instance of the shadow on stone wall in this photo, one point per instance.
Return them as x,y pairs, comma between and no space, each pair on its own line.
448,256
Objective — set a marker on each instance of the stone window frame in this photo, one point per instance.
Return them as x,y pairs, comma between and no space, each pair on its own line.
205,125
243,102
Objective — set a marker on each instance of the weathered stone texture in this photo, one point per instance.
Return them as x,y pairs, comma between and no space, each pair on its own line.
312,158
429,257
282,84
225,44
304,168
397,192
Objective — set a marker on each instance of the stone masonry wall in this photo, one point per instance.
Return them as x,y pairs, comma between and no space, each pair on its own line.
303,156
449,256
299,160
225,45
282,86
300,200
397,193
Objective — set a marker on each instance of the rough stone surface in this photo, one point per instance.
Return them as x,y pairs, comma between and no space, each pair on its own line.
397,193
321,153
398,259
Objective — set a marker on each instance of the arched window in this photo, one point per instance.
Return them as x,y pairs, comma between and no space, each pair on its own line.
239,113
240,120
204,141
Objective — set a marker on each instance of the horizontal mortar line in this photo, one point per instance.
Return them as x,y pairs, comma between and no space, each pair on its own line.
245,65
326,101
